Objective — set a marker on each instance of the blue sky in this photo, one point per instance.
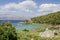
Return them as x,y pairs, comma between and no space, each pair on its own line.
2,2
38,1
16,9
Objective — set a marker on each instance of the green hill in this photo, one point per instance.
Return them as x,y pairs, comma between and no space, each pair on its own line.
52,18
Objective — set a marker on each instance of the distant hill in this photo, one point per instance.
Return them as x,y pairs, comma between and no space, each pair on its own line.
12,21
52,18
13,18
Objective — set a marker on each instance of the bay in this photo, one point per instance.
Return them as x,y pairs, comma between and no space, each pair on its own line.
20,26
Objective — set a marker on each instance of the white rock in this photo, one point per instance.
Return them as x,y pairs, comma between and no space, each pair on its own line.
47,33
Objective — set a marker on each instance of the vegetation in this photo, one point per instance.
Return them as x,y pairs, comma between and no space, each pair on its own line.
26,30
26,21
7,31
52,18
22,35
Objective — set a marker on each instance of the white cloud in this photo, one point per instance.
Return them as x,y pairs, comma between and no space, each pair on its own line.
20,9
22,6
49,7
27,8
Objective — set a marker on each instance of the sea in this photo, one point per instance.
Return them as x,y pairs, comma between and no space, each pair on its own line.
20,26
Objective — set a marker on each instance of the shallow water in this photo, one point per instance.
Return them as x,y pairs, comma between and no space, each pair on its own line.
20,26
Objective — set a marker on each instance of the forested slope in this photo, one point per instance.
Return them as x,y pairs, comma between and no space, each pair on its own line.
52,18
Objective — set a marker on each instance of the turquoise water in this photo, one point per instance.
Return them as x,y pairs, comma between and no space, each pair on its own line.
20,26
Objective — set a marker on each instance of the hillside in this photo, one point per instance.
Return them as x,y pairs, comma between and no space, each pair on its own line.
52,18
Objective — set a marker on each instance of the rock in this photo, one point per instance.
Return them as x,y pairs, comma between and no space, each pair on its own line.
47,33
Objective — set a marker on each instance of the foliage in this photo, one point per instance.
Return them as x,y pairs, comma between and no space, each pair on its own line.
25,21
52,18
26,30
7,31
33,35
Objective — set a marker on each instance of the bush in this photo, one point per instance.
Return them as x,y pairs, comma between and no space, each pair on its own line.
7,31
25,30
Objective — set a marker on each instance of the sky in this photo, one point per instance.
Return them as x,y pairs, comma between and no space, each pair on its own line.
25,9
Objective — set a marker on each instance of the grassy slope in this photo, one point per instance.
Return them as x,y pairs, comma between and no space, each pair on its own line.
23,35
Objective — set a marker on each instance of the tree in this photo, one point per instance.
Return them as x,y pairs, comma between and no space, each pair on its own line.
52,18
